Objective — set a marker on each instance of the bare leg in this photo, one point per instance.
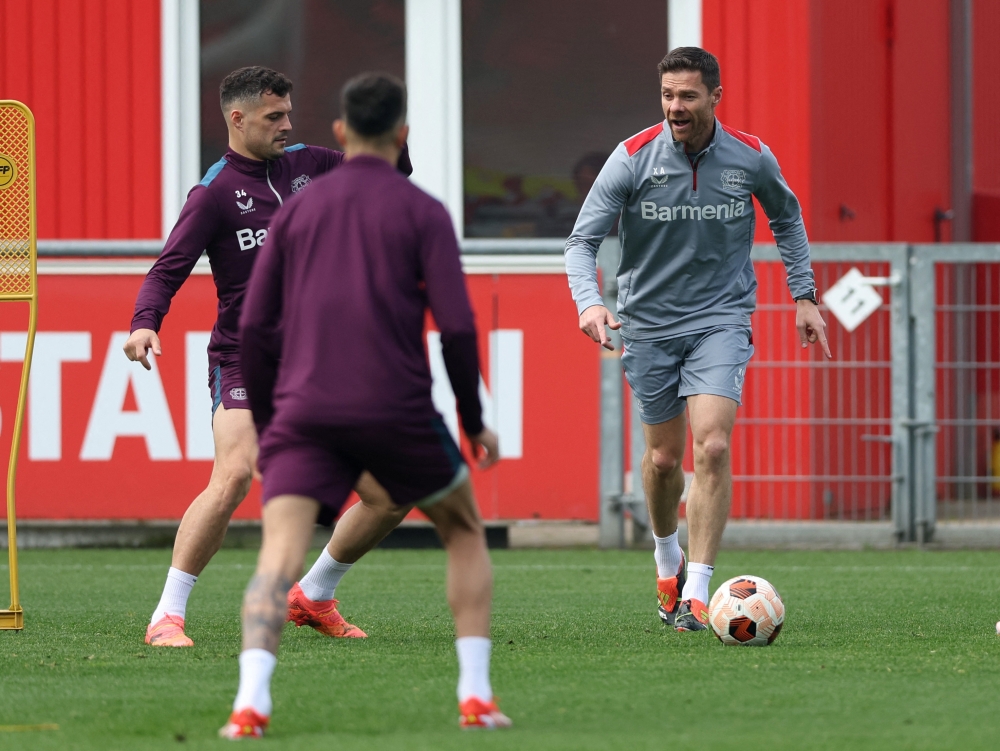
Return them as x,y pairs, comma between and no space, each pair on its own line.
203,527
470,575
711,493
288,522
662,474
365,524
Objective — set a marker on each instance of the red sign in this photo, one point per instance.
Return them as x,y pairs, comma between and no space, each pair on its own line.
105,439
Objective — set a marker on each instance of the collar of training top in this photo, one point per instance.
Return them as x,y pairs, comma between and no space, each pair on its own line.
246,165
679,145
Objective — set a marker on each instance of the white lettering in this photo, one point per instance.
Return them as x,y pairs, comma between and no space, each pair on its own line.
52,349
108,420
198,438
503,410
246,239
261,237
672,213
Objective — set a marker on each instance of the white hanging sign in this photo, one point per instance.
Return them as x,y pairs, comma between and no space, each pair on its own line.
852,299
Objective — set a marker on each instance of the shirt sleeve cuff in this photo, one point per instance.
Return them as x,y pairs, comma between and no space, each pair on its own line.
144,323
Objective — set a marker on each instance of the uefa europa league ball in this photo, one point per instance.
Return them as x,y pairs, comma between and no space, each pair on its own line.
746,610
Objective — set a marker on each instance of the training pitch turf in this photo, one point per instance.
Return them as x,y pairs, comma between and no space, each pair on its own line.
879,650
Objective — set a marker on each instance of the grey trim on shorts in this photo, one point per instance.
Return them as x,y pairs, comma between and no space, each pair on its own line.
460,476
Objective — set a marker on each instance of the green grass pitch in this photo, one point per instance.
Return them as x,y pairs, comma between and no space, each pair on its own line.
879,650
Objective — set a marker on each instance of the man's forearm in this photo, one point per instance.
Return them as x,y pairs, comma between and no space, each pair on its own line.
581,271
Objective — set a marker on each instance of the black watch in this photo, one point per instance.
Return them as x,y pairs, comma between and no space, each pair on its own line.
811,297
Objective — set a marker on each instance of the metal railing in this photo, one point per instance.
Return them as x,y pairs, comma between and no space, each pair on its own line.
904,423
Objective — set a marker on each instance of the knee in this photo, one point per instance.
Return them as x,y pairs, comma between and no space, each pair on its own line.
713,449
460,528
235,478
663,461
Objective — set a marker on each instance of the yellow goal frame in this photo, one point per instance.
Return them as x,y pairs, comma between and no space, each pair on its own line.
18,283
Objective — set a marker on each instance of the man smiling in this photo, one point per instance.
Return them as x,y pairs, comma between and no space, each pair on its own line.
684,189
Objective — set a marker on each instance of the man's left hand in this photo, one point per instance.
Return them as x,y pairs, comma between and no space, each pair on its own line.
811,326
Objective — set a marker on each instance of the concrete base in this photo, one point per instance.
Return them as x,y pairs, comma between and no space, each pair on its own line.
739,535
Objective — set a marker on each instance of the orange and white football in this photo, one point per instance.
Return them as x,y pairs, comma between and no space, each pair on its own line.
746,610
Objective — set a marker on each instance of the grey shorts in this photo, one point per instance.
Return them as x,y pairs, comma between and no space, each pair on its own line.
664,372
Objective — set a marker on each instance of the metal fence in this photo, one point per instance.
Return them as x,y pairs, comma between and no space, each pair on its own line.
956,311
903,424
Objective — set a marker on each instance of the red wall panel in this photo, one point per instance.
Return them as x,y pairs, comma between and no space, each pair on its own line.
921,118
986,95
763,50
853,98
849,159
90,72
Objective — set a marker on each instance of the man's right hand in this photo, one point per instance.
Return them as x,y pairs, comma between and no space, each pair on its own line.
592,323
139,344
486,448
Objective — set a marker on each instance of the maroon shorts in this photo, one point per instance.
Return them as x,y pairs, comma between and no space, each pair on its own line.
225,379
417,463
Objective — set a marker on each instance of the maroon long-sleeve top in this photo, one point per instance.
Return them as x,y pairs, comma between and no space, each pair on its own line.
228,214
332,326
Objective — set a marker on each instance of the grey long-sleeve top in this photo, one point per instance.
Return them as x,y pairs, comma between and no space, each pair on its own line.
687,227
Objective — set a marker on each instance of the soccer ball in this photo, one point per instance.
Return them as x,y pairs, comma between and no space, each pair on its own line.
746,610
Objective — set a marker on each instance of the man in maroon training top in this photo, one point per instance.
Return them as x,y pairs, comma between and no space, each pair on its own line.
228,214
333,358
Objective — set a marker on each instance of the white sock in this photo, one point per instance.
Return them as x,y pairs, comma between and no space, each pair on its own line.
474,668
668,555
175,594
321,582
256,667
698,577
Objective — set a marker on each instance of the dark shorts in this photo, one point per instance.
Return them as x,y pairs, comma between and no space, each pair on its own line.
416,463
225,380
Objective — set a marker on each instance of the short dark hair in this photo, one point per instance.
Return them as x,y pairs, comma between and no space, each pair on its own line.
373,104
251,83
696,59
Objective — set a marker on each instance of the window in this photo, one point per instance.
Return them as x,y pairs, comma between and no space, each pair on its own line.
549,89
318,44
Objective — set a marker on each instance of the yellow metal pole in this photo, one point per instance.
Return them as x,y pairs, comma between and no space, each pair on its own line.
18,283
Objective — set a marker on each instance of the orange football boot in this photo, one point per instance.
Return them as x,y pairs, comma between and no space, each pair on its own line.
668,592
475,714
322,616
692,615
167,632
244,724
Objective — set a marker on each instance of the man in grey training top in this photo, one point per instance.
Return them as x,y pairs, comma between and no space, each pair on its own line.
686,292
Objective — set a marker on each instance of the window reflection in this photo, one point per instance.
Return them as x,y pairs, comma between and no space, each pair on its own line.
549,89
316,43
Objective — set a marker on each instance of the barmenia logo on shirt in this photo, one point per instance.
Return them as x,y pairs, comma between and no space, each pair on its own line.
675,213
